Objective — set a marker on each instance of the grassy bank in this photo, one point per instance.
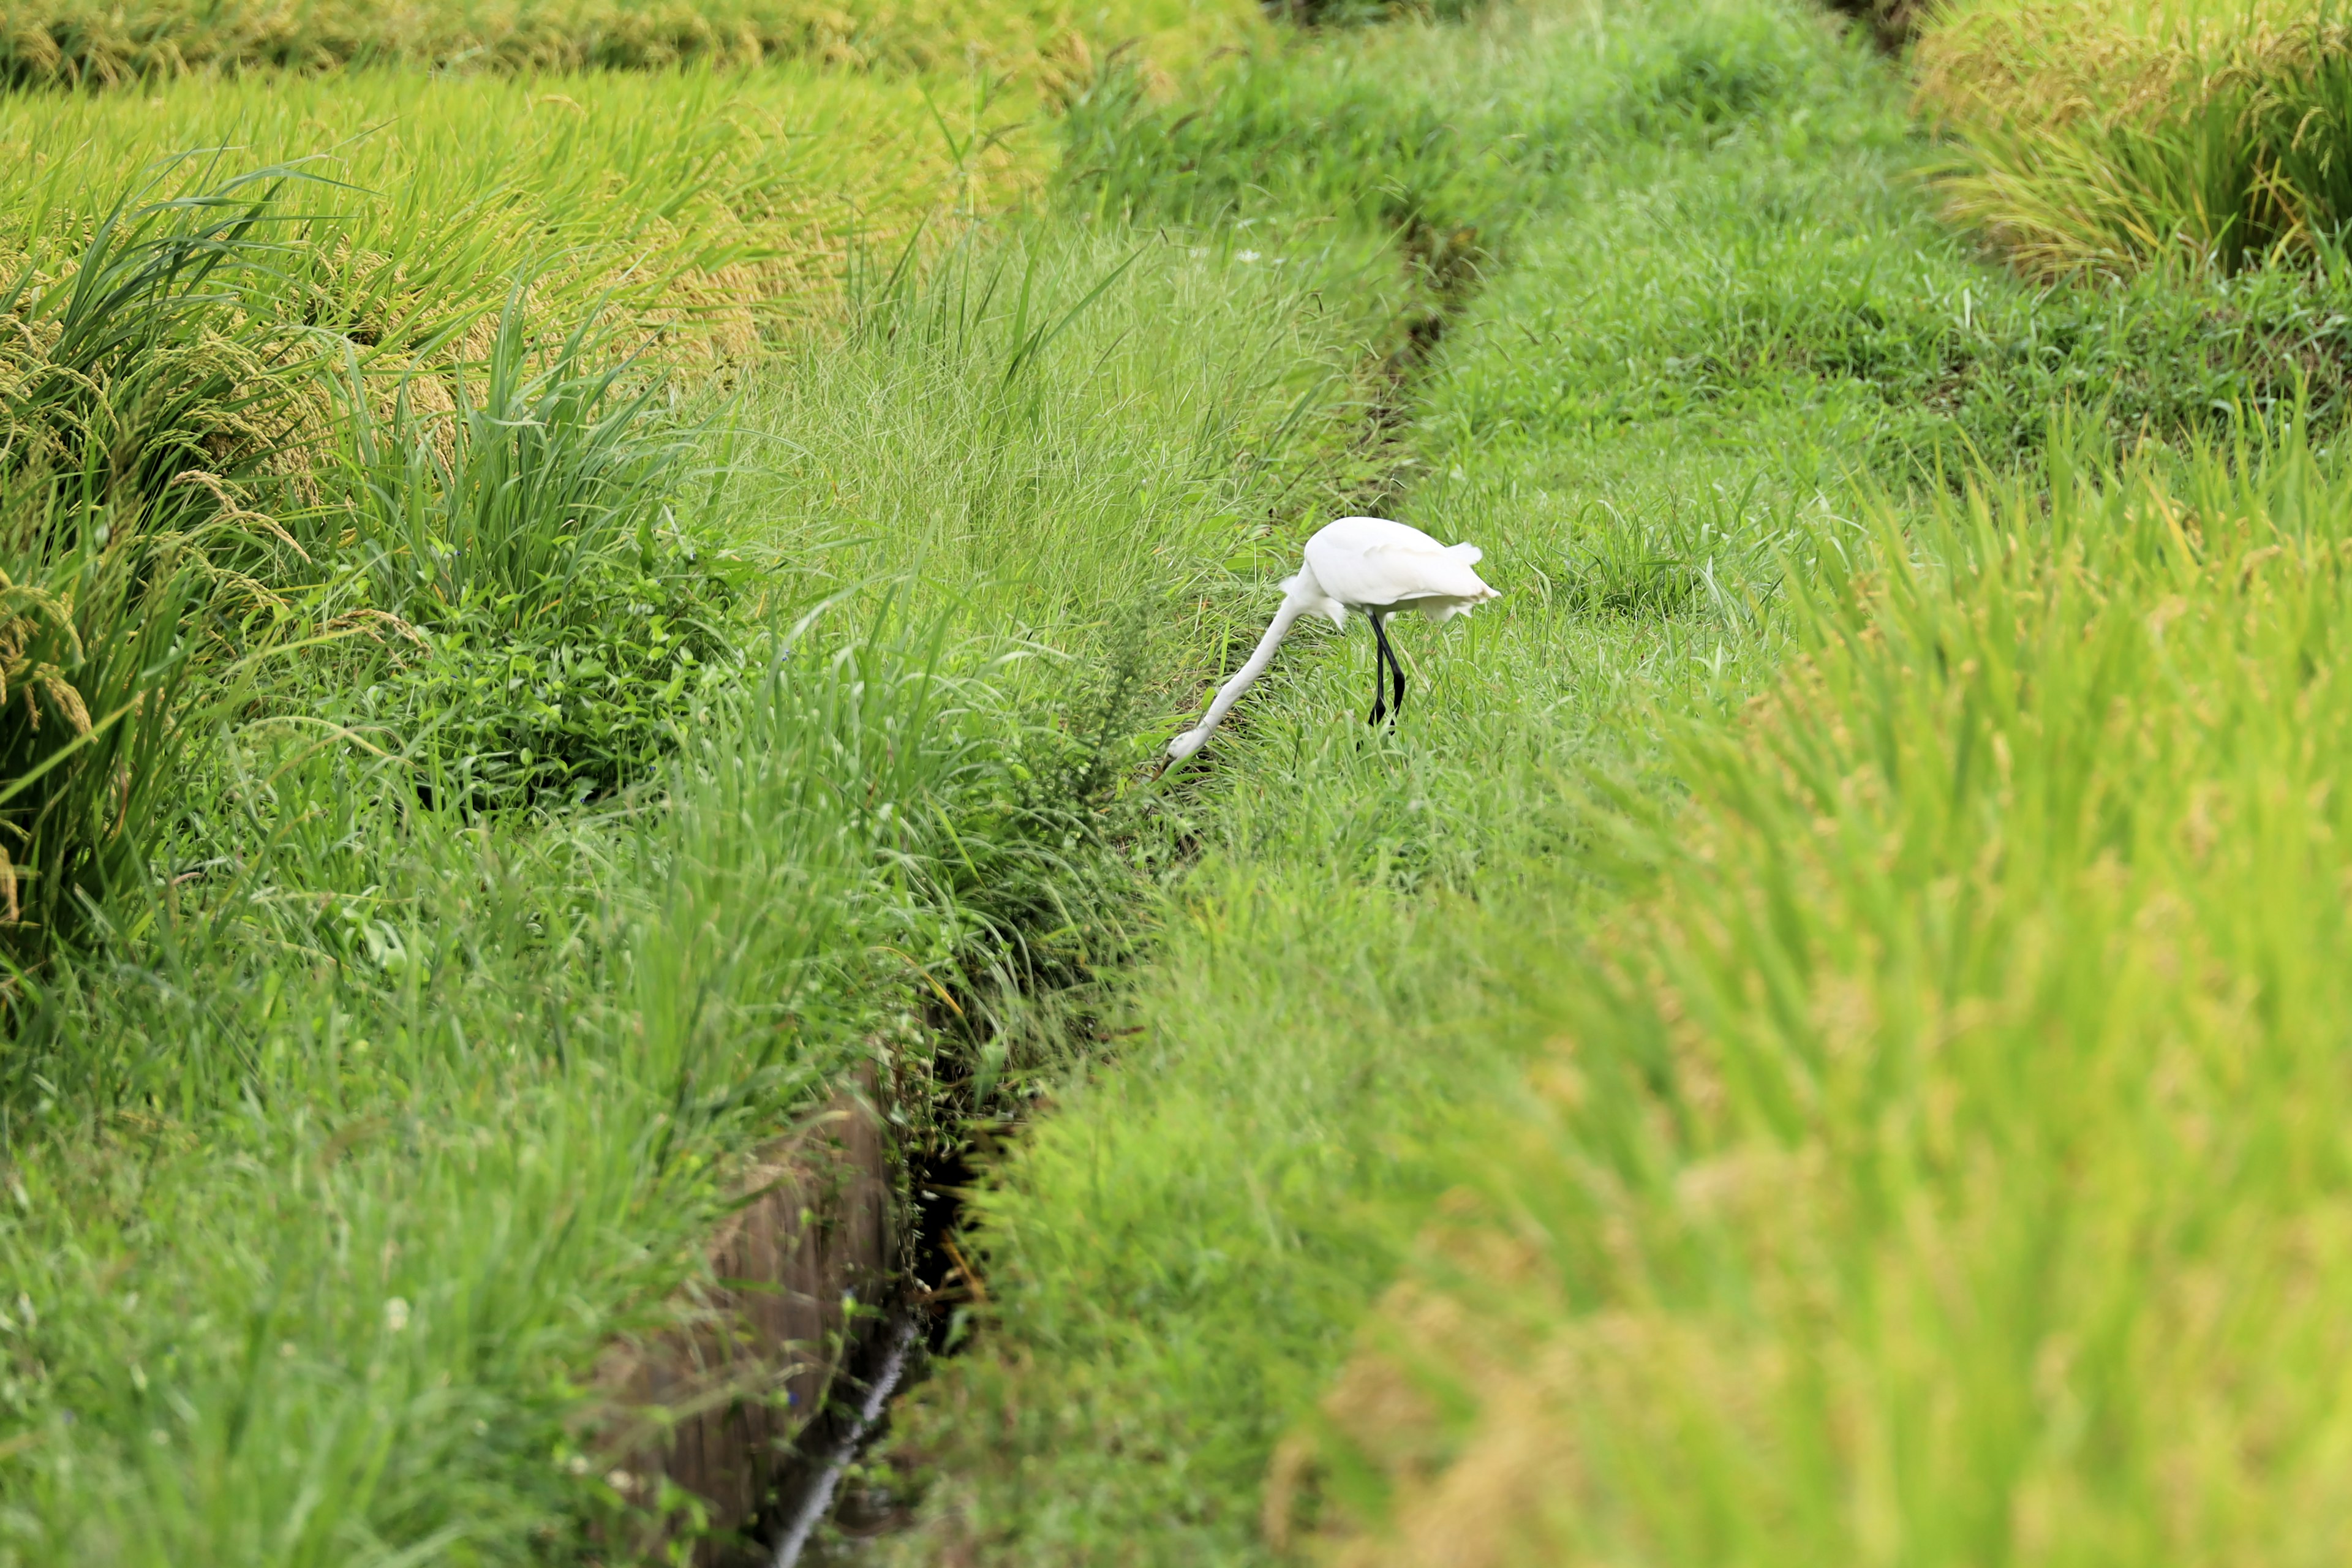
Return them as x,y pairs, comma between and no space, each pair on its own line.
541,642
410,1099
1178,1253
529,665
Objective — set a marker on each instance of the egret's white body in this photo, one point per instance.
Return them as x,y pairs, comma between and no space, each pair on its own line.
1371,565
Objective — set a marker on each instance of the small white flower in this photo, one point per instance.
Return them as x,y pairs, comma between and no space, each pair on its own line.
395,1314
1244,256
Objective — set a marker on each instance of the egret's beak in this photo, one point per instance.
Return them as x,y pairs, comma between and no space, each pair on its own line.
1172,761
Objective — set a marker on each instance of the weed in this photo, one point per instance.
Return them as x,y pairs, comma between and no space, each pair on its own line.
529,540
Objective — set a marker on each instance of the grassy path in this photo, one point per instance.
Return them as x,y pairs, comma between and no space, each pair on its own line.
1726,326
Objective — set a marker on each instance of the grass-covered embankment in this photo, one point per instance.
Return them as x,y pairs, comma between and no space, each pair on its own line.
408,1110
476,772
1723,355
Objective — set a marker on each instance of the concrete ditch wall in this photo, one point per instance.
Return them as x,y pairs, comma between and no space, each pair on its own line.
714,1408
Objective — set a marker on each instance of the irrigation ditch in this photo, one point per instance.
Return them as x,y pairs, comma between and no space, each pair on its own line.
839,1278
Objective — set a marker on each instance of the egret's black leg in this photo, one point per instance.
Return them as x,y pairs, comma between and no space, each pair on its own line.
1380,637
1379,675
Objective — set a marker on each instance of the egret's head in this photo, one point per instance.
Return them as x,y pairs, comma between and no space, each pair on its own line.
1185,744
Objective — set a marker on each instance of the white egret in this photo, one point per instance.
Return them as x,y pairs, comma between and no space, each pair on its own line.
1372,566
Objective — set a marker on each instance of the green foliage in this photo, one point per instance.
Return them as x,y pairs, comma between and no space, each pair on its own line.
1362,13
523,705
830,706
501,1067
1176,1255
1730,289
537,478
1372,140
1658,566
1654,421
1409,130
507,1064
1704,79
528,538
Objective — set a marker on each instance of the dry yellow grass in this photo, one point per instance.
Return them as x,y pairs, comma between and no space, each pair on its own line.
2048,62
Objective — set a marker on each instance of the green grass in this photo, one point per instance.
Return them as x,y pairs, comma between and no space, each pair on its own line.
123,397
409,1118
654,618
681,588
1177,1252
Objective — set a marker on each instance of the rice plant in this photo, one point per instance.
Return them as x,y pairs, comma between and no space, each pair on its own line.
77,44
2102,139
698,211
1932,1155
134,400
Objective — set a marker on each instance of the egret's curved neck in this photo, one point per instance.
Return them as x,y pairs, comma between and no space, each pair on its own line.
1260,657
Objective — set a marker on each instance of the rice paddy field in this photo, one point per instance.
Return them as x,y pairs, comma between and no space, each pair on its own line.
579,583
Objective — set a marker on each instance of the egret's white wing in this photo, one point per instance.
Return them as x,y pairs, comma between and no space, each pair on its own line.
1366,561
